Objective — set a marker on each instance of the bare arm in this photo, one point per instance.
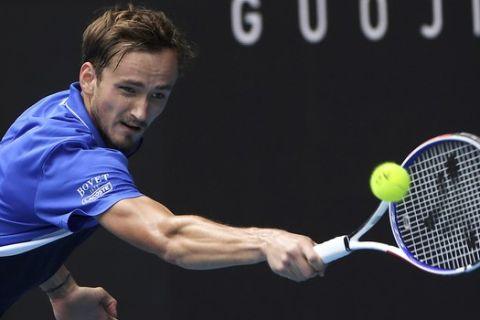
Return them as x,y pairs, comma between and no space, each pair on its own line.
194,242
70,302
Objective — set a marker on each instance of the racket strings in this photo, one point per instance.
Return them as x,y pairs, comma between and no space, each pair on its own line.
439,221
456,227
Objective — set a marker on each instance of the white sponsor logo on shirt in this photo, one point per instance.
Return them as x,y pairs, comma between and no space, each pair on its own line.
94,188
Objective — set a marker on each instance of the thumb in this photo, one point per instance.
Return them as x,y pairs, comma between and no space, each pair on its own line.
316,262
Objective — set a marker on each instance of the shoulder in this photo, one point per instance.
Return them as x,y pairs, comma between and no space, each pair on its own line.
45,126
75,156
46,120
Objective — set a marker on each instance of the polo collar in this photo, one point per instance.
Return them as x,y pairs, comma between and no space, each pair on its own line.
74,103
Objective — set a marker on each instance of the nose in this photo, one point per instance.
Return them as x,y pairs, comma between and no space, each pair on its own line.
140,110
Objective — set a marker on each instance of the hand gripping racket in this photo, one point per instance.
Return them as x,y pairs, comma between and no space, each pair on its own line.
437,225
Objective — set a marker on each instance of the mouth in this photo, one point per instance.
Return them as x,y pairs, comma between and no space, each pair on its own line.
132,127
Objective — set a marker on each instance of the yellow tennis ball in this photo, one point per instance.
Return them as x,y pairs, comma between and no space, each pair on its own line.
390,182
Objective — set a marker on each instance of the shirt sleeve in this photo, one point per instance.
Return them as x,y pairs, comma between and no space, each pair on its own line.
79,183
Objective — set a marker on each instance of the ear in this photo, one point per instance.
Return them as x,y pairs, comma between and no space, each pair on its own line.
87,78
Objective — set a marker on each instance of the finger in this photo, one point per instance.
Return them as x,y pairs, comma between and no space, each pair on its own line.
317,264
111,308
286,269
109,303
304,269
298,268
315,261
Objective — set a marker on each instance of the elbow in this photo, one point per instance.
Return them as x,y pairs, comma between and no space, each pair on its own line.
174,253
168,254
167,245
174,247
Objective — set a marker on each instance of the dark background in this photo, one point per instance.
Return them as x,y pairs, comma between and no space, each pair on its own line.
282,133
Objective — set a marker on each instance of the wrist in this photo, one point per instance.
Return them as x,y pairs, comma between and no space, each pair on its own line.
264,237
59,285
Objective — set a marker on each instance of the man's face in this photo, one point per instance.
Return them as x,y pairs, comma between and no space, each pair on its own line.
126,99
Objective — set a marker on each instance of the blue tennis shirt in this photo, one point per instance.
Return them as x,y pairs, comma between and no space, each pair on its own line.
56,172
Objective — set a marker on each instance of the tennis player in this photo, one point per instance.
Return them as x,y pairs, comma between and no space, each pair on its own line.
63,172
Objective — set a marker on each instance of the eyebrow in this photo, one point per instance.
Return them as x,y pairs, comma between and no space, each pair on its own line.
140,84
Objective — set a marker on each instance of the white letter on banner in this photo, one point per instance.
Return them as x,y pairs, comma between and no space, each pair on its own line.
373,33
253,19
433,30
476,17
317,34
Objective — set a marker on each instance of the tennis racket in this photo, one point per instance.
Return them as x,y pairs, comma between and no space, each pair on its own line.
437,225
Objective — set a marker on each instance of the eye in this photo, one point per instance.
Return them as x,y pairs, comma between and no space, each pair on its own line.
127,90
159,95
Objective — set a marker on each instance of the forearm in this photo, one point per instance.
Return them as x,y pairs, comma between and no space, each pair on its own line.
194,242
189,241
197,243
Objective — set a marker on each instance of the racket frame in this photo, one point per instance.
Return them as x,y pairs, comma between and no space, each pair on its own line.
341,246
462,137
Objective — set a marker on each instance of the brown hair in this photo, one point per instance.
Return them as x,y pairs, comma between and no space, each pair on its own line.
120,30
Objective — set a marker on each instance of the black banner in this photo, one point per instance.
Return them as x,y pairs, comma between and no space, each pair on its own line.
278,123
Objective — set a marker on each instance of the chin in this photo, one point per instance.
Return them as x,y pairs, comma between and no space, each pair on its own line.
124,146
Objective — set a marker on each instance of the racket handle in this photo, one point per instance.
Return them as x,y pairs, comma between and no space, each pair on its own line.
333,249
